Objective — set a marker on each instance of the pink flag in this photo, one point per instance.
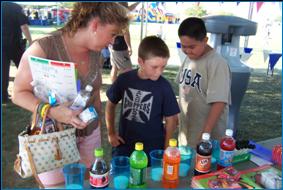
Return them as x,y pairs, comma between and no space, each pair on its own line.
258,5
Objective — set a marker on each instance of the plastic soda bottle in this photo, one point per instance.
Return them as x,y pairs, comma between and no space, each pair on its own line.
203,156
277,154
138,165
171,162
82,98
227,147
99,172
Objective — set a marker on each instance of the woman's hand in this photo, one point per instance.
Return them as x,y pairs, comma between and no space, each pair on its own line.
64,114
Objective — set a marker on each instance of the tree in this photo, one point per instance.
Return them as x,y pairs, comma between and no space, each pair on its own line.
224,13
68,5
278,19
196,10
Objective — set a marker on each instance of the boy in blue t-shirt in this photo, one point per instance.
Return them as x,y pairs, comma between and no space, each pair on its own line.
147,99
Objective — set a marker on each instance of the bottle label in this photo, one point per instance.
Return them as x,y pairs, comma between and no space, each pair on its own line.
226,157
171,171
78,103
137,176
203,163
99,180
88,115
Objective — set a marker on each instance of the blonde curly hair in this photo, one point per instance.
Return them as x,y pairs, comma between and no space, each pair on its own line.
107,12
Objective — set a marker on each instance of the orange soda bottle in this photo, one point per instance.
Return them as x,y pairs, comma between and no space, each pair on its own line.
171,162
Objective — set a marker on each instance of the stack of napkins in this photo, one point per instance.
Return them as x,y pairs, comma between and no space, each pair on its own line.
225,178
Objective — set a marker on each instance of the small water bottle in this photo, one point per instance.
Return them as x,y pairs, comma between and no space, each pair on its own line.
82,98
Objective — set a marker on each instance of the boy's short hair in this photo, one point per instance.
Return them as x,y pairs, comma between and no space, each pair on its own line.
152,46
192,27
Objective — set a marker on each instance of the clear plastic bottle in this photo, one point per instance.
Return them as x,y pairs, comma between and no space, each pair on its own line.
99,172
138,164
227,147
171,163
203,156
40,90
82,98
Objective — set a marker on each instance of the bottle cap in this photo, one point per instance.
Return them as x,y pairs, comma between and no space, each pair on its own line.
88,88
229,132
206,136
139,146
172,142
98,152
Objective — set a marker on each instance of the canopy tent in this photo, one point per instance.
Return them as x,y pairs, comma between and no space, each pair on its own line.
45,4
37,3
248,10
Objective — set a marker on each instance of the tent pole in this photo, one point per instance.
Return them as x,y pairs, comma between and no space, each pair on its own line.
250,18
142,15
146,21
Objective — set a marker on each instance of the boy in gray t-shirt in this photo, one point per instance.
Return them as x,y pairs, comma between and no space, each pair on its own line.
204,86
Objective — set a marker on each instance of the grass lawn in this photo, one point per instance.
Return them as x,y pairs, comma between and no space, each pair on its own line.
259,119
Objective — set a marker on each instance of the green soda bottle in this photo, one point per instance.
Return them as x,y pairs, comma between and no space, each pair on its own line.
138,165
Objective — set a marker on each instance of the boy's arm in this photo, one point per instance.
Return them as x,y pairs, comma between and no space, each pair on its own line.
171,124
98,105
214,114
113,138
110,117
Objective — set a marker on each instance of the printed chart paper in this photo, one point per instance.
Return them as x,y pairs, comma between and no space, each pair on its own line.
56,76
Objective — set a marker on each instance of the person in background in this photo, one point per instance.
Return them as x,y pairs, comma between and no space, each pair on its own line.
93,26
15,22
121,50
147,100
204,86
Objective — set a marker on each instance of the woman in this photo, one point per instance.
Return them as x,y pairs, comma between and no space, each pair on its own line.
92,27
